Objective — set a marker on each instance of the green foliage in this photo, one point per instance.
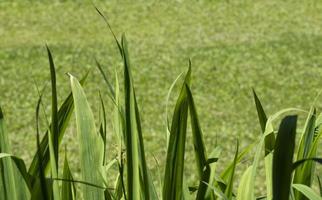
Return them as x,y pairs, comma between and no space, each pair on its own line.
286,177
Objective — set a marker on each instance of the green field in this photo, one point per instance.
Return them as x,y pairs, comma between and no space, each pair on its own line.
272,46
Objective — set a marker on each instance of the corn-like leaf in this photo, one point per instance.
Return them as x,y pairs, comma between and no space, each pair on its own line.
42,188
12,184
6,166
90,144
227,171
283,158
64,114
229,188
54,129
307,191
54,107
269,144
246,191
199,148
20,164
270,139
68,189
173,178
307,148
243,187
139,183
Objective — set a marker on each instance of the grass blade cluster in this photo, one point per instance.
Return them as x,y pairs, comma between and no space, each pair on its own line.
290,168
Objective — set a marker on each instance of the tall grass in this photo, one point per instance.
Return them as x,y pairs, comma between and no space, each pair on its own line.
290,171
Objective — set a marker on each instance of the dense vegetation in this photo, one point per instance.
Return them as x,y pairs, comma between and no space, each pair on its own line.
273,46
290,168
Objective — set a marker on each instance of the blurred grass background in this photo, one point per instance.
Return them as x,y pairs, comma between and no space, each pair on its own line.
273,46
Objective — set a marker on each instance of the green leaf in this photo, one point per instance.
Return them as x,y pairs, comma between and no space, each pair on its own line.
107,81
270,139
41,188
12,184
229,188
283,158
303,161
54,131
20,164
173,177
139,183
269,143
90,143
199,148
111,30
54,110
64,114
227,171
307,149
68,190
243,187
307,191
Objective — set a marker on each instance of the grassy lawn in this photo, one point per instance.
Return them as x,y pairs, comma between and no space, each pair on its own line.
273,46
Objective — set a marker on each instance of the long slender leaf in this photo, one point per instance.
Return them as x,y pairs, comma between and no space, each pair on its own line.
173,178
12,171
68,189
283,158
229,188
269,144
270,139
54,106
64,114
54,131
7,171
307,191
199,149
90,143
307,148
139,184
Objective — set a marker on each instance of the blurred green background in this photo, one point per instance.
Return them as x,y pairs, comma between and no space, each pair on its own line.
273,46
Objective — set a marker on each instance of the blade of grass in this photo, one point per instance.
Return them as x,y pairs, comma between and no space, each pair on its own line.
283,158
90,143
173,178
229,188
225,174
269,144
270,139
307,148
307,191
7,171
12,171
108,83
41,188
64,114
68,189
54,131
54,107
199,149
110,29
139,184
